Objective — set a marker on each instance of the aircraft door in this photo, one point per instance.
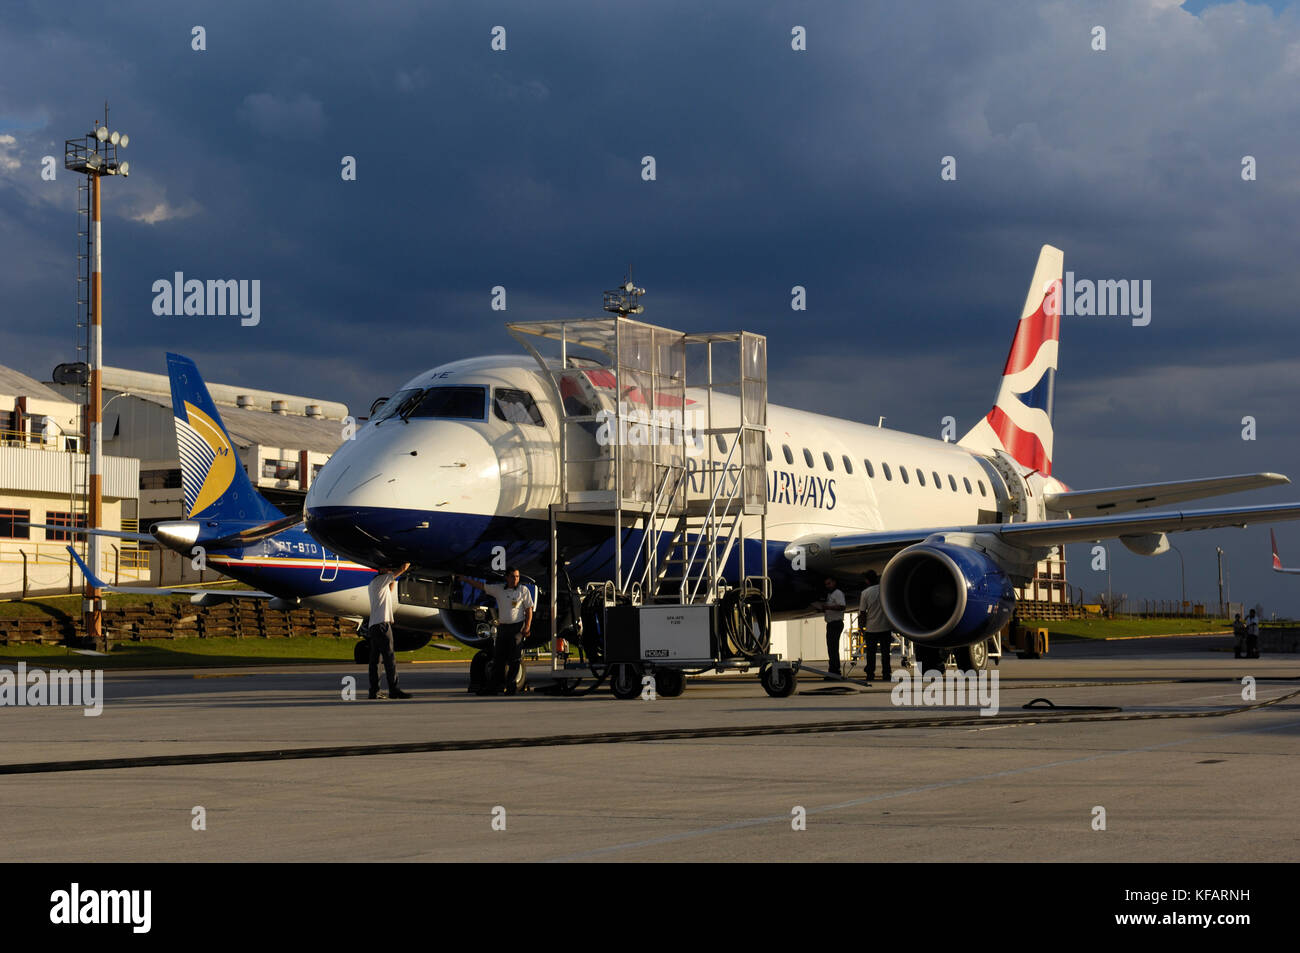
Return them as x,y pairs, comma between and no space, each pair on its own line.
329,566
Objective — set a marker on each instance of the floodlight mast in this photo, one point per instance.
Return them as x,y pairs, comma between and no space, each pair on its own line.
626,299
95,155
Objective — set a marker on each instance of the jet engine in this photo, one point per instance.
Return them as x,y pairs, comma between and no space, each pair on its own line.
944,595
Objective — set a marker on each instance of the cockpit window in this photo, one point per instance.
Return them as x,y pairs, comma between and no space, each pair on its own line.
516,407
395,403
449,403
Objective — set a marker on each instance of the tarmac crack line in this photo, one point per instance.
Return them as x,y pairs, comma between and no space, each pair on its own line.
1025,716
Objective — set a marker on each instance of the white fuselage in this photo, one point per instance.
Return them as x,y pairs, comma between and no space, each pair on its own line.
430,489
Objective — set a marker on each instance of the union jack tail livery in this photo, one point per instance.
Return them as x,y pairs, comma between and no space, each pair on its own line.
1021,419
1277,560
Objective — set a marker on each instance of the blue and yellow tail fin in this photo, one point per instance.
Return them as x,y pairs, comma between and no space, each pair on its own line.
213,480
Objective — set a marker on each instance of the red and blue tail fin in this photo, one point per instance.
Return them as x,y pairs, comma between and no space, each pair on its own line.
1021,419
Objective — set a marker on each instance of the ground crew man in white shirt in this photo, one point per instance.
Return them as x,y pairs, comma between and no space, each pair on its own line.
383,595
833,606
514,622
875,627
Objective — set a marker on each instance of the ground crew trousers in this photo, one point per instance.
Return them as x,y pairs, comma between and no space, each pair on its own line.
381,644
884,640
505,656
833,632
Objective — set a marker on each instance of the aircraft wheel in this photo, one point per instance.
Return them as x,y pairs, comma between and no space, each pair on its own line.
478,670
973,658
625,680
778,682
669,682
361,652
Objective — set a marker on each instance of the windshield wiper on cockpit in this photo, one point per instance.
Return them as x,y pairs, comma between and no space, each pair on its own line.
409,405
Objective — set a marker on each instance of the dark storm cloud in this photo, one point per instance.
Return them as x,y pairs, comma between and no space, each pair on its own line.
775,168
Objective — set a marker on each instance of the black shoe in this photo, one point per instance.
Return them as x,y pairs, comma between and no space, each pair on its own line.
398,693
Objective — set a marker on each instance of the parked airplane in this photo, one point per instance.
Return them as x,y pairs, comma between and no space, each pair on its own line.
1277,562
463,462
240,534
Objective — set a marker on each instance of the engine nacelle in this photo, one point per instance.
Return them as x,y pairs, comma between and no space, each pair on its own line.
466,629
945,595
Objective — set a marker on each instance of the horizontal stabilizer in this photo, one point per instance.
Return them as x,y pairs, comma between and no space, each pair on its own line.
84,531
154,591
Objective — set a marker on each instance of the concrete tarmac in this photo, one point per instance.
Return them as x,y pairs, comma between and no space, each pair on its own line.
1172,789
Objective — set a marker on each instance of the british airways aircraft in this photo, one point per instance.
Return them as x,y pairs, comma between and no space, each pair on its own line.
464,460
1277,560
240,534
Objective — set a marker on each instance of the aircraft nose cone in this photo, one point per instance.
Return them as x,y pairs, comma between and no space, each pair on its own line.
403,492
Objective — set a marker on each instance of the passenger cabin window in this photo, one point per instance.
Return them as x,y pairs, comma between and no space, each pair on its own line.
952,483
848,464
807,457
938,484
516,407
920,477
982,493
902,471
722,444
888,475
871,471
769,454
967,482
830,464
449,403
789,457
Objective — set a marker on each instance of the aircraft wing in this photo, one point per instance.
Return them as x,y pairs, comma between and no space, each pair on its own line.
1120,499
177,591
860,551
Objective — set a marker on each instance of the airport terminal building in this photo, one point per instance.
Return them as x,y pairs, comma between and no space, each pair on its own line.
43,476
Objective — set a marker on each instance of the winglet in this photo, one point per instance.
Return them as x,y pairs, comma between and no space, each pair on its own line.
1277,562
85,571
